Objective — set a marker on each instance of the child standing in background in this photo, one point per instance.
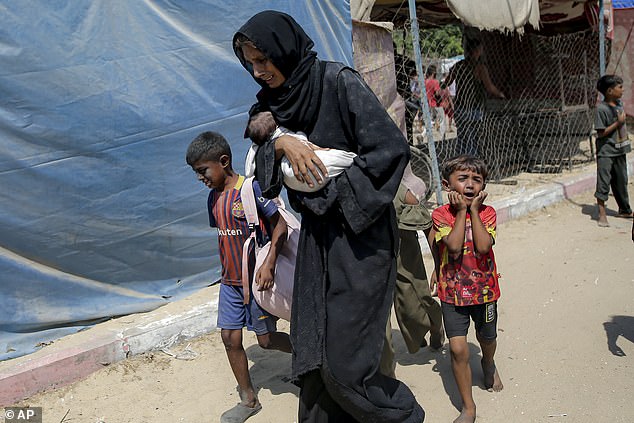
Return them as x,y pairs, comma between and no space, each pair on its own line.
612,146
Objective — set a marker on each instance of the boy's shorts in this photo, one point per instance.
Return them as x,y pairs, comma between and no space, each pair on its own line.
485,317
233,314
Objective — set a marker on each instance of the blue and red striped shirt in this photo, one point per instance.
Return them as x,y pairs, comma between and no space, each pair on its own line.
226,213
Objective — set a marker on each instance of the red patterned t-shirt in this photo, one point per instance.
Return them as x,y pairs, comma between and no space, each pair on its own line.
468,278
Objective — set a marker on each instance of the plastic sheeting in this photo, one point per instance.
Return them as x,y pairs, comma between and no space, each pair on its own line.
100,215
497,15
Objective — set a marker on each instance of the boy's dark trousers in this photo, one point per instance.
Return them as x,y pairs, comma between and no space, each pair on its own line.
614,170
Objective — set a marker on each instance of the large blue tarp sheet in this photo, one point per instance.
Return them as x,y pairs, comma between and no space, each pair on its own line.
99,214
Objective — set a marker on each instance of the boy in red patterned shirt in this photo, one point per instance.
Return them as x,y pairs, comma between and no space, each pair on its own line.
463,236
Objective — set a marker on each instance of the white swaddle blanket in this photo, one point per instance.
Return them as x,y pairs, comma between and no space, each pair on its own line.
335,161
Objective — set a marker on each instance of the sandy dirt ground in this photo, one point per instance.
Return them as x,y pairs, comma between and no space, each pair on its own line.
566,344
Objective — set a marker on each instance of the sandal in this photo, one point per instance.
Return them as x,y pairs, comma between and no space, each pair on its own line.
240,413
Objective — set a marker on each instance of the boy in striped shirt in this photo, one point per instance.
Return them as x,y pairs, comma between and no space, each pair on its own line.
209,155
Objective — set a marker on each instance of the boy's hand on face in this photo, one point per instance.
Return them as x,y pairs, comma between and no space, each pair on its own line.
478,201
457,200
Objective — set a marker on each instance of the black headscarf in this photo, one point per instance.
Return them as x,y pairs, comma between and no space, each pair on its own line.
280,38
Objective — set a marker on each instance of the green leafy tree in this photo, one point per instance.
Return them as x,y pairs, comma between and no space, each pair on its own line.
445,41
441,42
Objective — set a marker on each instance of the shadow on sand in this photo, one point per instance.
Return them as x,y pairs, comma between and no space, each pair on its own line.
271,370
441,362
592,211
619,326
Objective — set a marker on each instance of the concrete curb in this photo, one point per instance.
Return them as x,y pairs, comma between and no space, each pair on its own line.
76,356
526,202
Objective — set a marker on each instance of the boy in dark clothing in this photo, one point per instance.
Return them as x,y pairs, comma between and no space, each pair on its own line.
464,234
209,155
612,146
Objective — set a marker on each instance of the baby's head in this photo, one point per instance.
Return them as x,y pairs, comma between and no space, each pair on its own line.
261,127
466,175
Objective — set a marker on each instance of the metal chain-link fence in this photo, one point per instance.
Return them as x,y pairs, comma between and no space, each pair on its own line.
522,103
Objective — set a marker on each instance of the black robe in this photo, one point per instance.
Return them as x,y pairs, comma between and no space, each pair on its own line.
346,264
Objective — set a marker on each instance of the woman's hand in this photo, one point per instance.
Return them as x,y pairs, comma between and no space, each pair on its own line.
302,158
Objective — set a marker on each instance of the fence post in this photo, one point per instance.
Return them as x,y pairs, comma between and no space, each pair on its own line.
423,101
601,40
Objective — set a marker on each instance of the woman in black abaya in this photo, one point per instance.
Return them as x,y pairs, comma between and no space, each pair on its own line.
346,265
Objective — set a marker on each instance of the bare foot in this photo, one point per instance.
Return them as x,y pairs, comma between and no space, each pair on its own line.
466,416
624,215
603,222
492,381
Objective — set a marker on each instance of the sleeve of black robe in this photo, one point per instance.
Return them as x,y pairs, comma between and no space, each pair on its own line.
365,189
370,184
267,170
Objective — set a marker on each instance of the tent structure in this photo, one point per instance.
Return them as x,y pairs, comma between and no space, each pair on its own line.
99,214
544,55
501,15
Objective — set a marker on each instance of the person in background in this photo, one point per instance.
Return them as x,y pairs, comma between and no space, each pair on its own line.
446,102
433,92
404,68
612,145
473,83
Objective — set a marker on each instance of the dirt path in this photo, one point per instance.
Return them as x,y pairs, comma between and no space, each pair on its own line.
566,344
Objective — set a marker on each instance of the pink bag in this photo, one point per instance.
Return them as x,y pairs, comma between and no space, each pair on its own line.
277,300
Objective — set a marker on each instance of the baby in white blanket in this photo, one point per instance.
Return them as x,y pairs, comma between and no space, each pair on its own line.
262,127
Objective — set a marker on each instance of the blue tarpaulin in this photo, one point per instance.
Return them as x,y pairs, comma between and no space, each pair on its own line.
100,215
622,4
